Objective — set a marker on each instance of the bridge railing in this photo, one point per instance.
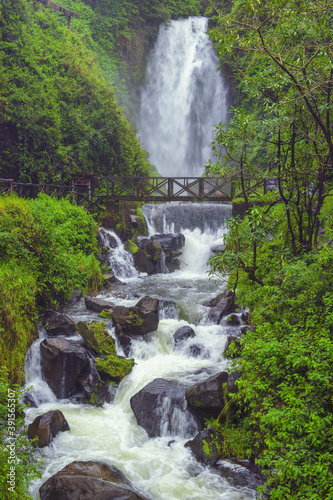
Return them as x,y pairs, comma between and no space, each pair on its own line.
158,189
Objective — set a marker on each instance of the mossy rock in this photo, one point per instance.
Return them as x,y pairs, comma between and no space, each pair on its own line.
97,336
105,314
114,368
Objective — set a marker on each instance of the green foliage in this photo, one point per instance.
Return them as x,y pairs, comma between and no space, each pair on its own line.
16,451
47,250
59,117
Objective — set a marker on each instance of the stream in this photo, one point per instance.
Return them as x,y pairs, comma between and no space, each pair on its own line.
160,467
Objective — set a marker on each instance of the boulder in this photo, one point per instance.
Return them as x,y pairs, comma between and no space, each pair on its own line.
88,480
183,333
232,378
67,366
47,426
138,320
161,409
142,262
56,323
170,241
97,336
207,446
75,297
224,306
233,320
114,368
97,305
196,350
209,395
95,391
168,309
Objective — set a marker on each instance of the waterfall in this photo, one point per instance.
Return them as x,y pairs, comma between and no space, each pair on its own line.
119,259
183,98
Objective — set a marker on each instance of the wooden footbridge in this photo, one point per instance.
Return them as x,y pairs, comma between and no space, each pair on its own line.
95,190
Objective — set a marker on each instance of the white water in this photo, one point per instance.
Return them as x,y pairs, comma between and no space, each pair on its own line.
183,98
162,467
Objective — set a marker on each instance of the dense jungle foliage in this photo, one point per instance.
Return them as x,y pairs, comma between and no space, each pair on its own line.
279,257
58,115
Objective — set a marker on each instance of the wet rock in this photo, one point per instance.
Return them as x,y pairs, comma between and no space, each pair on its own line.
196,350
97,336
232,378
76,297
56,323
240,473
151,247
207,446
67,366
29,401
170,241
109,279
88,480
47,426
95,391
142,262
172,264
138,320
218,247
161,409
114,368
110,239
233,320
97,305
168,309
224,306
183,333
209,395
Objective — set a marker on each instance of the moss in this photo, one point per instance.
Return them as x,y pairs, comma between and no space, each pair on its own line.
132,247
105,314
114,368
97,336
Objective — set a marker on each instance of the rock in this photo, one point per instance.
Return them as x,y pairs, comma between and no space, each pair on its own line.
135,220
233,320
218,247
76,297
207,446
109,279
142,262
47,426
209,395
172,264
195,350
161,409
105,314
224,306
97,305
171,241
95,391
138,320
89,480
68,367
168,309
56,323
97,336
109,239
232,378
151,247
240,474
114,368
183,333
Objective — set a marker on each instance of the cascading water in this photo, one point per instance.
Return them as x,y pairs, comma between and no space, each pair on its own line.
183,98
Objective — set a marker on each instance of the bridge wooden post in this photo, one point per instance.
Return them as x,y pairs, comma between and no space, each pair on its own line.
201,187
170,187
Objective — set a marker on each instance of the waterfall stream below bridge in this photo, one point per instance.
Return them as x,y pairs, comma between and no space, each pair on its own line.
160,468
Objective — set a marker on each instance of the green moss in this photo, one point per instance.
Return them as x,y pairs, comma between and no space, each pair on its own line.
97,336
105,314
113,367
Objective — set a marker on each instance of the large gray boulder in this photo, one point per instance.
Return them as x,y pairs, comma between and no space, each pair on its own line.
47,426
89,480
207,446
137,320
97,305
66,364
161,409
170,241
56,323
224,306
209,395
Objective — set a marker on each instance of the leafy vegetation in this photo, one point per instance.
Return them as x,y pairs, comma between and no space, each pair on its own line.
16,451
59,117
278,256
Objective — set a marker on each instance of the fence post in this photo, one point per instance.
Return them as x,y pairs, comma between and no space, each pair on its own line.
201,187
170,187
